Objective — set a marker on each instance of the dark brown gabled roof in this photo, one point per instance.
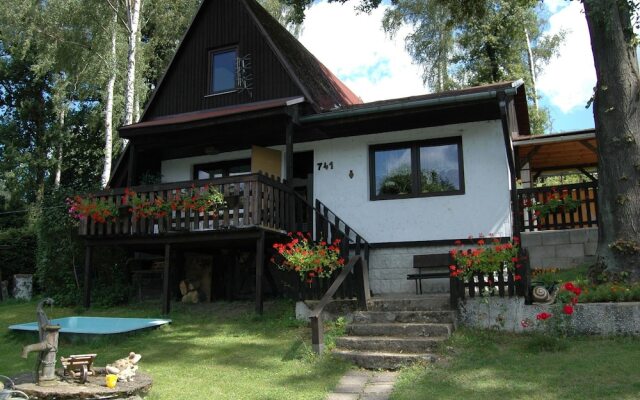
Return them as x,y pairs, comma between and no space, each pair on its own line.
318,84
321,88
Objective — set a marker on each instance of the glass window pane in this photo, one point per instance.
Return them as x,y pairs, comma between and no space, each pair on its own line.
393,171
223,71
439,168
240,170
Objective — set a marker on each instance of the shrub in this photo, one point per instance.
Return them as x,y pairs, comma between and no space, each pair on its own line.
60,259
19,255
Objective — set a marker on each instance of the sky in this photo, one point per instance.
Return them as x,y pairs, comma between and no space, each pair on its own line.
375,67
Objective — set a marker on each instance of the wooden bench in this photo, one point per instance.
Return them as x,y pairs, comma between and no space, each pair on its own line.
429,266
79,366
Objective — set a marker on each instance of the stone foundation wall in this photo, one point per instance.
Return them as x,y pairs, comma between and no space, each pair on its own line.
561,249
589,318
389,267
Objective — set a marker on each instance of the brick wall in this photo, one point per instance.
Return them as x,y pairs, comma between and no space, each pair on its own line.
561,249
388,269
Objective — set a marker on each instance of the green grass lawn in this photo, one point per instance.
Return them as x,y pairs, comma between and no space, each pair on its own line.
210,351
491,365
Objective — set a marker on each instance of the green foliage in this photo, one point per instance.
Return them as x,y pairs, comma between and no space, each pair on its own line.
485,365
19,256
397,181
59,252
487,259
539,343
467,43
611,292
60,259
431,181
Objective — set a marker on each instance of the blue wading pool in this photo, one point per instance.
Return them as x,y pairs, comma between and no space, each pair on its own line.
96,325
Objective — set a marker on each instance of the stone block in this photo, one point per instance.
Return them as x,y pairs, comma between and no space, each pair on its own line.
592,235
578,235
535,261
570,251
590,248
379,388
542,251
384,376
558,262
531,239
555,237
343,396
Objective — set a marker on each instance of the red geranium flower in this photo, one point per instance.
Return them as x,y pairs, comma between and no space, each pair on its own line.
567,309
543,316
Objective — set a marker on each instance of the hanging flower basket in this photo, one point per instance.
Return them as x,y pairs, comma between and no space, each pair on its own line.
309,259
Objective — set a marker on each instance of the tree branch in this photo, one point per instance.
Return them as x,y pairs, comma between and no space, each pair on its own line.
115,9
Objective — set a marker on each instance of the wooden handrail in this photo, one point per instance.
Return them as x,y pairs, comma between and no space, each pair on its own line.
359,266
559,188
188,184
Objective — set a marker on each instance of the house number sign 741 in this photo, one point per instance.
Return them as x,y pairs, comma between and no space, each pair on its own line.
325,165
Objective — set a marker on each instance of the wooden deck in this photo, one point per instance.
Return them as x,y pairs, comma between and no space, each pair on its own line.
252,201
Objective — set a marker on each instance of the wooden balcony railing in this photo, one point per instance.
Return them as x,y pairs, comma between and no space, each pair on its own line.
251,200
582,217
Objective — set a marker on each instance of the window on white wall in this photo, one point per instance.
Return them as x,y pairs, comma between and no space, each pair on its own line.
222,169
416,169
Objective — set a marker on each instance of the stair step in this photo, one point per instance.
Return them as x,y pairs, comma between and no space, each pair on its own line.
389,343
447,316
415,303
380,360
400,329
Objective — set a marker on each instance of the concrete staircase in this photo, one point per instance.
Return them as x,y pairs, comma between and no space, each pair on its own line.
397,331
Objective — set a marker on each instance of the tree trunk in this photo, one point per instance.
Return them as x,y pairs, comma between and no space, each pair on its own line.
617,122
133,12
58,176
532,70
108,111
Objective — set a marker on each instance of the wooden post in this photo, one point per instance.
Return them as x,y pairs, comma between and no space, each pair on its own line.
259,271
166,299
131,172
293,112
288,155
87,277
317,334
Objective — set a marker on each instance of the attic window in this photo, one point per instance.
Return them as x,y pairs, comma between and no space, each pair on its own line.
222,72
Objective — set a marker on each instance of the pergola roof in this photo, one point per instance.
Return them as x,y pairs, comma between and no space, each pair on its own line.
559,151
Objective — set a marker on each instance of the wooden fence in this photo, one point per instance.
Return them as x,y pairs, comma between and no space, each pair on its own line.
584,216
508,282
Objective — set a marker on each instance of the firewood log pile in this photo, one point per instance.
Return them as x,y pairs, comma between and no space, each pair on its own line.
189,291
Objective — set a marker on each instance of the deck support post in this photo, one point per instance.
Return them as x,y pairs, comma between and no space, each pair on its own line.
293,113
259,271
131,172
317,334
88,270
166,300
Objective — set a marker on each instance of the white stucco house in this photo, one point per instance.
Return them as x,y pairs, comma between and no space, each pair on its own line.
242,97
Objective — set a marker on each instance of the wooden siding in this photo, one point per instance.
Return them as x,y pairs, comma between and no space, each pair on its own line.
220,23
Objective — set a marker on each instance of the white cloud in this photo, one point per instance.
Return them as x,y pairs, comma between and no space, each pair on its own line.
555,5
568,80
355,48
